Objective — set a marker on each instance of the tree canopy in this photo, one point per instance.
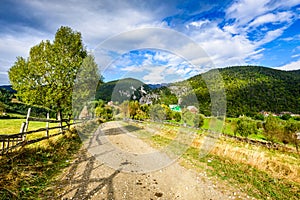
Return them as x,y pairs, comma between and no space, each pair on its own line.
47,76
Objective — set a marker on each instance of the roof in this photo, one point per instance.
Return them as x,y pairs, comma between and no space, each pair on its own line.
175,108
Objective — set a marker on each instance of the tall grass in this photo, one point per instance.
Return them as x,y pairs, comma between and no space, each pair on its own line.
25,174
256,170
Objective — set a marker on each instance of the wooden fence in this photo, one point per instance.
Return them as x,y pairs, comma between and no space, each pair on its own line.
10,142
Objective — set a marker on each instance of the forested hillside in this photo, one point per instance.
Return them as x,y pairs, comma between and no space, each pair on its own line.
120,90
251,89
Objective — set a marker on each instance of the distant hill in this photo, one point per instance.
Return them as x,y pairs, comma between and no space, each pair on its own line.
156,86
251,89
121,90
8,88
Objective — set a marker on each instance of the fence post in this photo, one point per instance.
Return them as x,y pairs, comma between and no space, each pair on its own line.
27,119
47,126
22,131
59,117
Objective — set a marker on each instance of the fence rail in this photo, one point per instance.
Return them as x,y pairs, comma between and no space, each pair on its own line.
10,142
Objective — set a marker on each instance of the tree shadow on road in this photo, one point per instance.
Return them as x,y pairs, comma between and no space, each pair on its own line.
81,181
123,130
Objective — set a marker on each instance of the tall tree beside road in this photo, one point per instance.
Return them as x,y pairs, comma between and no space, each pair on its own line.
47,76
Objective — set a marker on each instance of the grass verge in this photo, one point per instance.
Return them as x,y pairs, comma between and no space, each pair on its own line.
251,180
257,171
25,174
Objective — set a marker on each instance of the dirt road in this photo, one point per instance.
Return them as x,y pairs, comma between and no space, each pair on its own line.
115,164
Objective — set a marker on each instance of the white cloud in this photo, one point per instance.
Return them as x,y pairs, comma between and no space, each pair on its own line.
249,14
99,20
270,36
197,24
133,69
222,47
272,18
291,66
155,75
244,11
295,56
14,46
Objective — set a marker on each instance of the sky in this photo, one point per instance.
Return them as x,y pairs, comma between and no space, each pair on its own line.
158,41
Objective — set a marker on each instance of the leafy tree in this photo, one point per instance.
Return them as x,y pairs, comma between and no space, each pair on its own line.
5,96
273,128
124,108
290,132
157,112
2,107
168,111
198,120
140,115
176,116
47,76
87,80
134,106
166,96
187,117
286,116
145,109
102,111
245,127
259,117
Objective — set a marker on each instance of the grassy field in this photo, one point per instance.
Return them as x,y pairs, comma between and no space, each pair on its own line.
12,126
256,170
28,173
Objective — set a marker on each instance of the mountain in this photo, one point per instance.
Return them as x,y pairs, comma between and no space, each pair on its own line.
8,88
121,90
156,86
251,89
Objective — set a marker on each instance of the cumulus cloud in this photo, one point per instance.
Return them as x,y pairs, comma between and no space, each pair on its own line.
155,66
291,66
244,11
114,28
272,18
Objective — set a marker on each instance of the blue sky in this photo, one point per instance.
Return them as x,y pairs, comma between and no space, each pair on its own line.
240,32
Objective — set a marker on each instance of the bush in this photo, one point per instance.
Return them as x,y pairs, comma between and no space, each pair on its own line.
245,127
273,128
285,117
259,117
176,116
198,120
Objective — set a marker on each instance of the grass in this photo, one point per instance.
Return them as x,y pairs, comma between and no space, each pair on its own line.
25,174
12,126
256,170
255,182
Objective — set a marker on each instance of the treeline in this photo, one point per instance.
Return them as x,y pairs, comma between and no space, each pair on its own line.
251,89
160,113
11,107
273,128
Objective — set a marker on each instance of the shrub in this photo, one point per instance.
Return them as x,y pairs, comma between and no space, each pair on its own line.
245,127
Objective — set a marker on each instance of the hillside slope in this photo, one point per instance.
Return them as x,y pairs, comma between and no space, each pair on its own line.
121,90
251,89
